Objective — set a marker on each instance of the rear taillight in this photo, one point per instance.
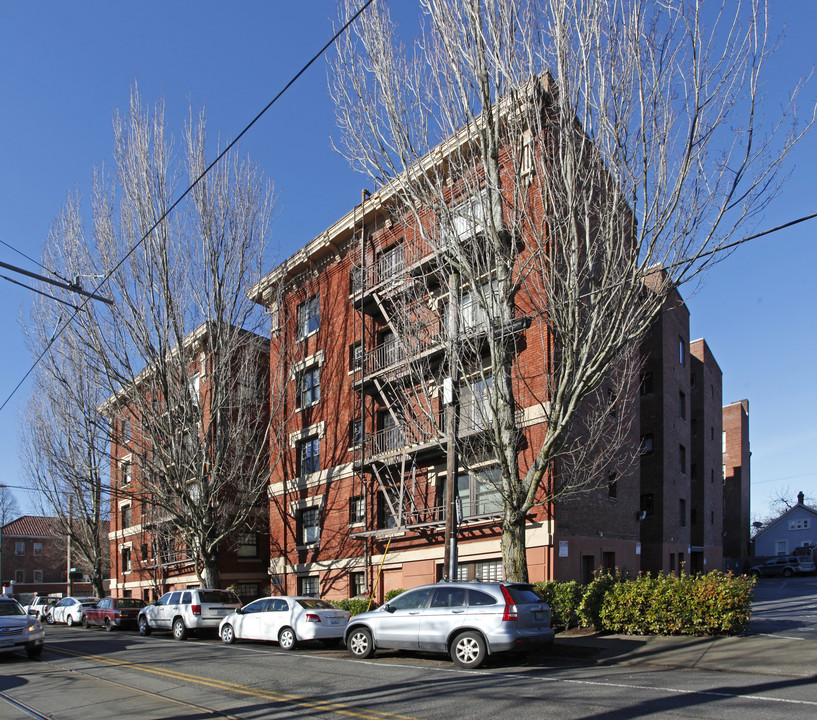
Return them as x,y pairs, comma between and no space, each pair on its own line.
311,617
510,613
196,609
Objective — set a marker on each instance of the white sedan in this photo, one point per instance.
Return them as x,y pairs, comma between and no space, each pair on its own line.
289,620
70,610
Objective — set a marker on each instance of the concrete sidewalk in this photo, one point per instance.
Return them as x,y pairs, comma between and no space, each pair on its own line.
761,654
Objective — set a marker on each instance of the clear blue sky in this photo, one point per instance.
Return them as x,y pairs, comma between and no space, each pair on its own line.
65,67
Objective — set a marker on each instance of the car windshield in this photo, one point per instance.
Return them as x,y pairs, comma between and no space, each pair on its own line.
9,607
523,594
315,604
129,603
218,596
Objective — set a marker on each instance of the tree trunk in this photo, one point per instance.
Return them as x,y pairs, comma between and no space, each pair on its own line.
209,573
514,549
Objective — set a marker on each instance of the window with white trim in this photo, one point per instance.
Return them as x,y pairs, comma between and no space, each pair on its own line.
309,456
802,524
309,317
309,386
38,576
310,525
126,565
309,586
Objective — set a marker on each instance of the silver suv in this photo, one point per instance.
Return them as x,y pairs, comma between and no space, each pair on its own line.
183,611
468,621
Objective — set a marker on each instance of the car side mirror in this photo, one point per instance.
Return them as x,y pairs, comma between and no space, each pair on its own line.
389,608
240,611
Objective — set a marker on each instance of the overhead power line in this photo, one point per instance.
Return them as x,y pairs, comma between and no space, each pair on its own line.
181,197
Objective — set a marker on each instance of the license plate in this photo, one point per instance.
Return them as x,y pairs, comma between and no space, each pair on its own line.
6,642
538,615
335,621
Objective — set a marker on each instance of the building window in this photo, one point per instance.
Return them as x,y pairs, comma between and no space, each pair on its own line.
19,576
682,459
693,517
125,515
357,510
125,472
143,552
309,317
19,549
799,524
612,485
38,576
682,512
355,432
38,549
310,525
479,492
357,584
682,405
309,586
646,444
487,570
125,560
309,387
309,455
356,356
248,545
126,429
385,518
647,505
646,383
476,412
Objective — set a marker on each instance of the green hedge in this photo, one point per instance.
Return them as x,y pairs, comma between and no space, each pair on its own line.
711,604
355,605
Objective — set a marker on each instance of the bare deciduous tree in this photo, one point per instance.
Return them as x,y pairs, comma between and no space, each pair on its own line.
185,378
580,159
9,509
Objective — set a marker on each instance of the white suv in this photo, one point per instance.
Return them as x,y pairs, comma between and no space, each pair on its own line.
183,611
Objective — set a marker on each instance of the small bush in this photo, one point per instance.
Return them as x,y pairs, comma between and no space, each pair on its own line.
592,598
355,605
393,593
563,598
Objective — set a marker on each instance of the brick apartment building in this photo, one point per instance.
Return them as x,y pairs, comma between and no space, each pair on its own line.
358,503
736,480
681,461
34,559
147,557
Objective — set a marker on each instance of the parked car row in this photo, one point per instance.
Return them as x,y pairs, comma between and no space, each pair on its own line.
467,621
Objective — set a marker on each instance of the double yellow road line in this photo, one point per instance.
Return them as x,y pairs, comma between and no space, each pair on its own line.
288,698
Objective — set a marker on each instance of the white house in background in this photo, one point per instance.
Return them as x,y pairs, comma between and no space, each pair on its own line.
795,528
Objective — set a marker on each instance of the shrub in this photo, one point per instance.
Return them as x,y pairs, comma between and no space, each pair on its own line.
593,594
355,605
715,603
393,593
563,598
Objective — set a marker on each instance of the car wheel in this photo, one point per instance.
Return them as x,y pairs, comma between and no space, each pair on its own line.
70,620
49,619
228,634
108,625
787,572
287,639
34,650
144,628
360,644
179,629
468,649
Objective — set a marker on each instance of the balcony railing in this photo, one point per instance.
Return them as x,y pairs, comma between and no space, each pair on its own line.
399,437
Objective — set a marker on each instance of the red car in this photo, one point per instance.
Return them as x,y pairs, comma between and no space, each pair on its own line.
113,612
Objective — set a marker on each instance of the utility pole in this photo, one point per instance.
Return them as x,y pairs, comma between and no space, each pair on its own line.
451,400
70,584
